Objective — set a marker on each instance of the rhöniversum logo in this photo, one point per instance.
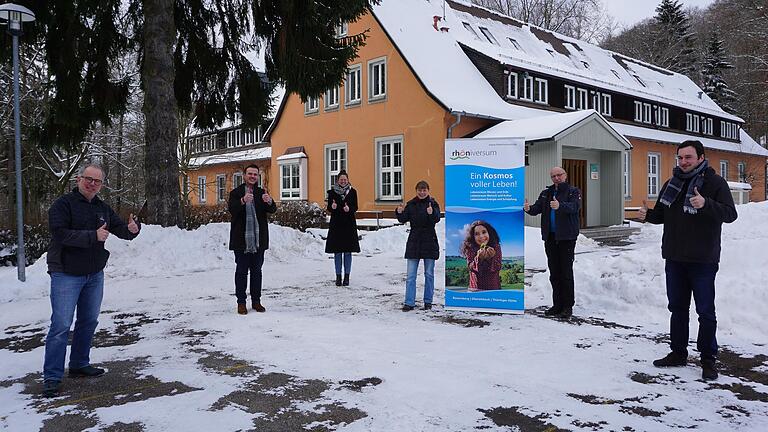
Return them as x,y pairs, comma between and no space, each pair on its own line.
466,154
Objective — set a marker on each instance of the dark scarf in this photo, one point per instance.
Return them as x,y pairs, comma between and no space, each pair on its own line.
676,183
341,191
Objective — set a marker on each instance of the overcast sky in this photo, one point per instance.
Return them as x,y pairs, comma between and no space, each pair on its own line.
628,12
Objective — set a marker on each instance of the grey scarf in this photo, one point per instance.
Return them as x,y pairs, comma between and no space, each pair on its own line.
675,185
251,227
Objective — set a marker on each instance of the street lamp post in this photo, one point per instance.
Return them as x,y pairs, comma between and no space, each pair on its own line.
13,16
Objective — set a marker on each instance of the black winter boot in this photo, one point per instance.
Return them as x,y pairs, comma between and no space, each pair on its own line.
346,279
338,280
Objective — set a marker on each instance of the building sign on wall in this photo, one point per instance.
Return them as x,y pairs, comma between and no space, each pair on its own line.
485,245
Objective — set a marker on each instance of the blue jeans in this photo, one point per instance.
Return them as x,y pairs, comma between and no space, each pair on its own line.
684,279
429,281
244,263
337,258
69,292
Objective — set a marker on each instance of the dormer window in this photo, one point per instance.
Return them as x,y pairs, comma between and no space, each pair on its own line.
639,80
489,36
471,30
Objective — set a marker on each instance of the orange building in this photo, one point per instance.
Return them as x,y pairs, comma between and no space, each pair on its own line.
216,161
431,70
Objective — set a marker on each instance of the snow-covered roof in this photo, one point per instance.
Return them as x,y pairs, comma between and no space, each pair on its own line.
237,156
544,51
739,186
548,126
746,145
450,77
278,93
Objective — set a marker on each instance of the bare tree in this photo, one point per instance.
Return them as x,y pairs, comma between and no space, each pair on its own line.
581,19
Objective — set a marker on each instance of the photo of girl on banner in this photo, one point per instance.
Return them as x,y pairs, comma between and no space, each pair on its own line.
482,250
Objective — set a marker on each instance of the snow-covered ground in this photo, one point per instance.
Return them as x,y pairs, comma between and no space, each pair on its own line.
346,358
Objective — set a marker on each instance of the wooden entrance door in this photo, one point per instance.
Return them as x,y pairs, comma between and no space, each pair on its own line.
577,176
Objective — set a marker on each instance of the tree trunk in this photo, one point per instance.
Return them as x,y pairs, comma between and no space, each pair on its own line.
161,133
118,201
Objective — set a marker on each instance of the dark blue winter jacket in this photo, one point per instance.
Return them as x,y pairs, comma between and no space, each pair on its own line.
566,217
73,221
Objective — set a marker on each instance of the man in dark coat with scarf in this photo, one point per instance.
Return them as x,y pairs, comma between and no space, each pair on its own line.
692,205
559,206
249,236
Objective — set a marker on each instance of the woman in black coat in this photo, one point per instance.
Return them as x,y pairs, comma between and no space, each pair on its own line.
342,232
423,213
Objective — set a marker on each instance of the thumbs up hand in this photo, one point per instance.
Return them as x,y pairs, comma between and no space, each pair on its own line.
697,201
554,204
642,212
133,228
526,206
346,208
102,233
429,209
334,205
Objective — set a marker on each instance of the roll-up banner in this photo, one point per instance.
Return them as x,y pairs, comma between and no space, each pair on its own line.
484,231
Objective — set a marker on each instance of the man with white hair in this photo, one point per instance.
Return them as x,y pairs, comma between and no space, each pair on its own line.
80,223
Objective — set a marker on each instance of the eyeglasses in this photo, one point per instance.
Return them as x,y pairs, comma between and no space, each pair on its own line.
557,175
92,180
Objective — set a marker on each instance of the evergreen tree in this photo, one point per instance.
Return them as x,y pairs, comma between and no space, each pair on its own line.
673,39
193,58
713,83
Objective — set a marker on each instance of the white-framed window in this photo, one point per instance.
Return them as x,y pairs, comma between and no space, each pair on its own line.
595,100
583,99
312,105
527,88
742,167
512,85
221,187
248,136
647,113
626,172
335,161
570,97
237,179
653,174
606,109
695,123
722,129
352,94
377,79
706,126
488,35
471,30
389,167
332,98
342,29
665,117
290,185
541,91
201,182
689,122
724,169
259,134
638,111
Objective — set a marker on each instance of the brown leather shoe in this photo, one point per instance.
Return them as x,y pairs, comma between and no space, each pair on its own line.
241,309
258,307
